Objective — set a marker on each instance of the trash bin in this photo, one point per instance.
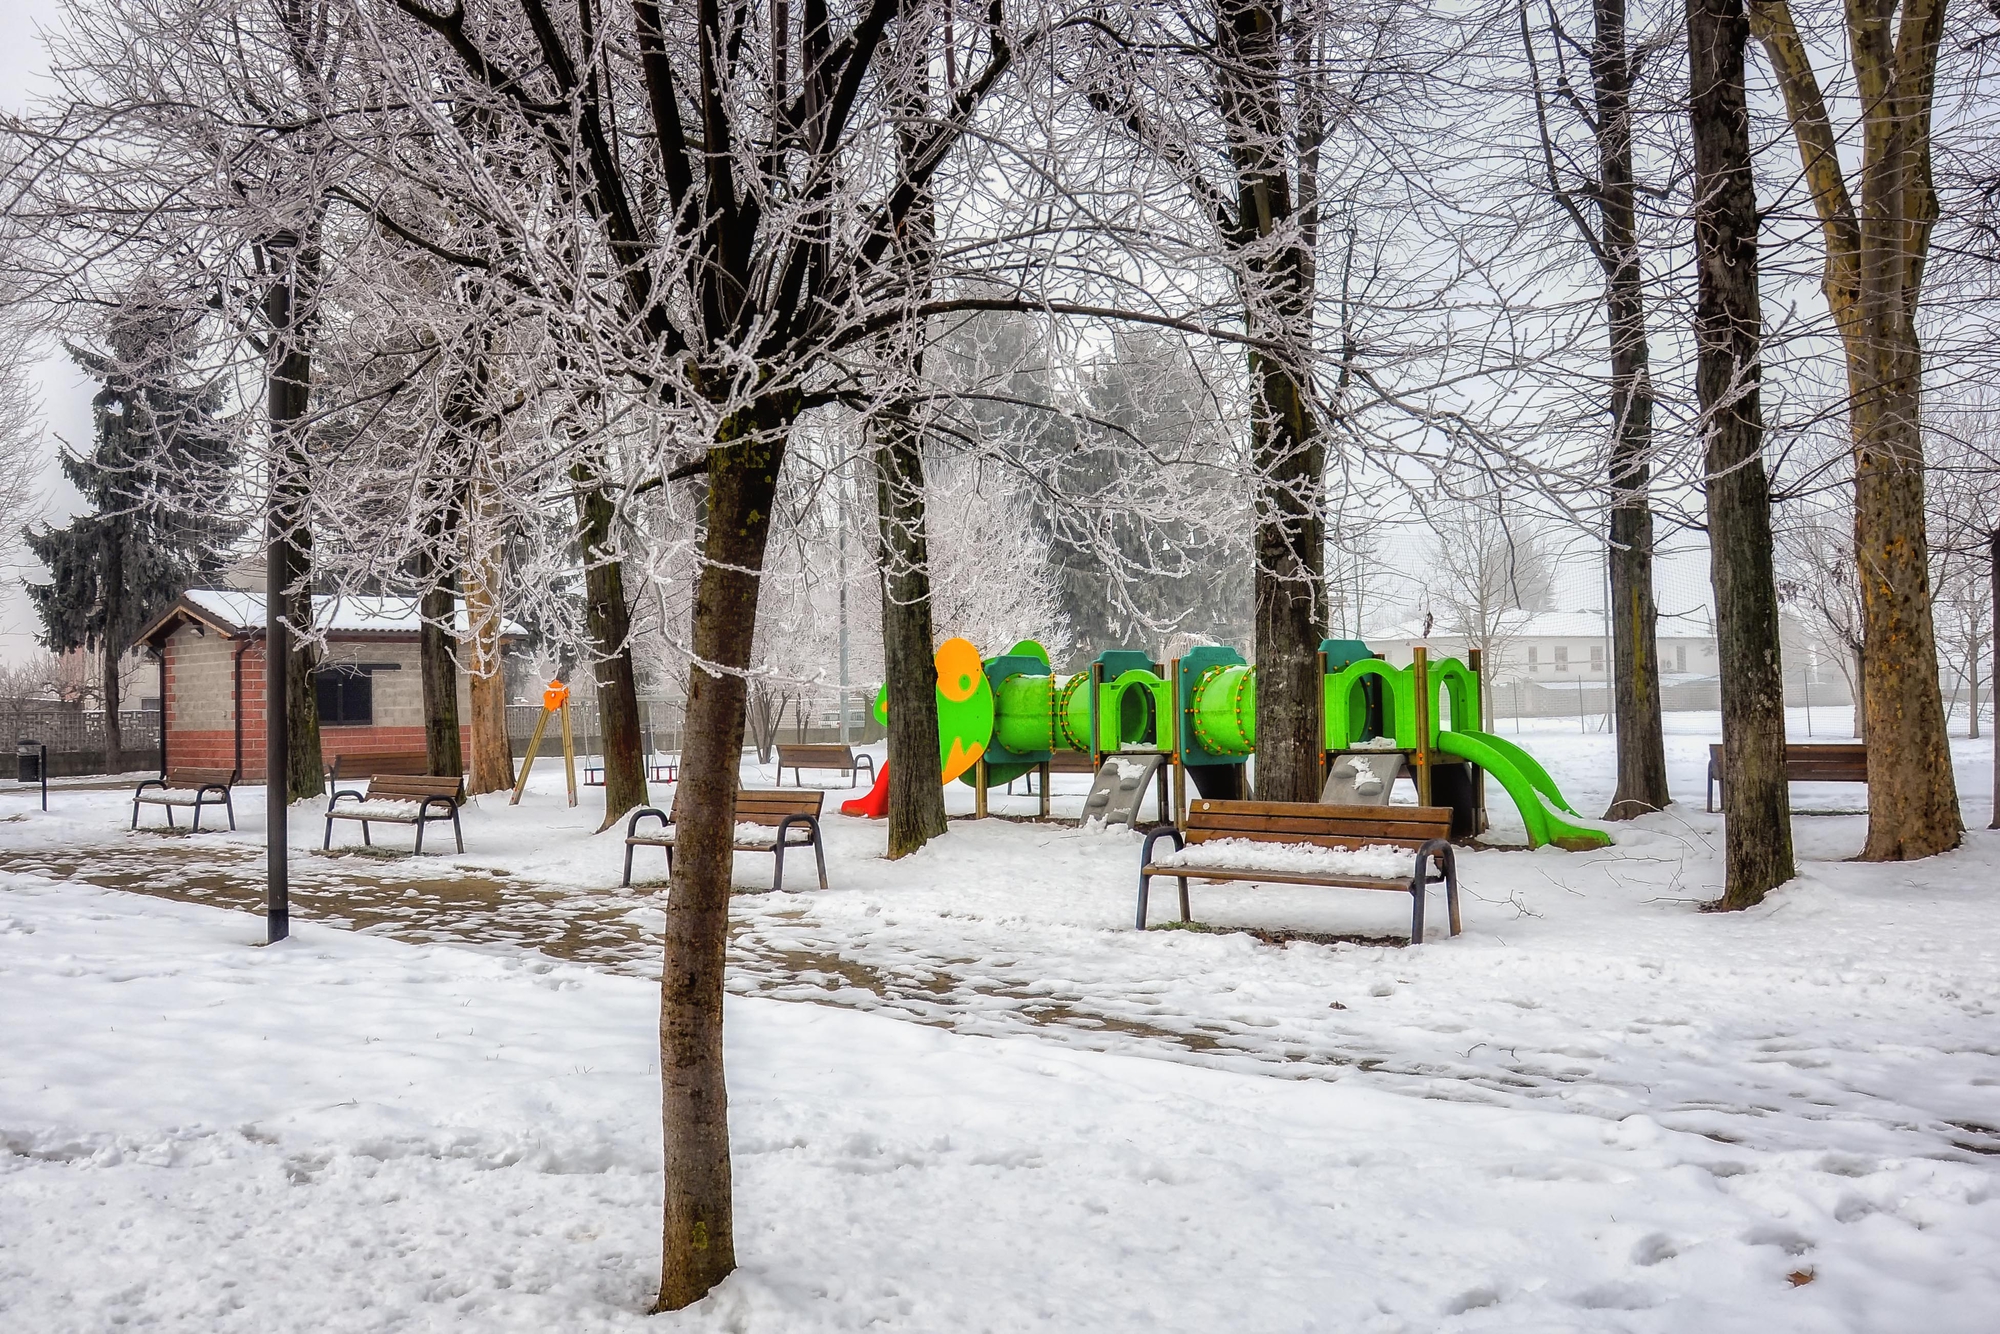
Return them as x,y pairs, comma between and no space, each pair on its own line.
29,757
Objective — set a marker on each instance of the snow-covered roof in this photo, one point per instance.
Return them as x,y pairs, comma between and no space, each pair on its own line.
237,611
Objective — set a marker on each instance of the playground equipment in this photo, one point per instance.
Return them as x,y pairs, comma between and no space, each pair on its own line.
965,722
555,701
999,719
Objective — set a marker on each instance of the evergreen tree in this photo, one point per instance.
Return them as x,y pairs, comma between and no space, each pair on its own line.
156,483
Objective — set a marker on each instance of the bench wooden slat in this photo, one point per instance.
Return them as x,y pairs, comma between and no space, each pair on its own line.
816,755
369,763
413,787
1389,828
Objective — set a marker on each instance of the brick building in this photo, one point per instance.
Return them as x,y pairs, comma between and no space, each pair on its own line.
210,650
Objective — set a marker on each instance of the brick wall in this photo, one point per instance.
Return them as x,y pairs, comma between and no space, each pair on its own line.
201,703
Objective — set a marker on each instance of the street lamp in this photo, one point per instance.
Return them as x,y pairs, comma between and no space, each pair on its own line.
284,408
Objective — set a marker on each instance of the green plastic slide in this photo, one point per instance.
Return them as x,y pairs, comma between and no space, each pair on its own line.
1529,784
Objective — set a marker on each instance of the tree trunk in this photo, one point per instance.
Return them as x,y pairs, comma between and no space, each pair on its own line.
492,754
698,1245
1912,792
1642,754
114,739
1729,333
610,622
909,644
1875,259
1286,453
114,733
440,679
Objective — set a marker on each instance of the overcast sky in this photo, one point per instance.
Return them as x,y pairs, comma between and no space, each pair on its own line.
64,393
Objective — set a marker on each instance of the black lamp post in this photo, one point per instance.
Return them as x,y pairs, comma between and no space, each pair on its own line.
286,407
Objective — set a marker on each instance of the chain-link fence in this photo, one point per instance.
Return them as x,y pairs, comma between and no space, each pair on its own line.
75,738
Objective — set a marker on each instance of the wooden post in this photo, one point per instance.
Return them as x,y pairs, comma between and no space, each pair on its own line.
1174,743
1319,716
1043,774
1421,672
528,761
979,788
569,753
1096,723
1474,660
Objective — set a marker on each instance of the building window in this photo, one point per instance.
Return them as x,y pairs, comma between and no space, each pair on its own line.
1680,657
1562,657
346,697
1597,658
1534,659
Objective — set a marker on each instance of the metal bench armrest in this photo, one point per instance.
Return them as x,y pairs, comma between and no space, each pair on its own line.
811,824
632,825
160,783
1164,831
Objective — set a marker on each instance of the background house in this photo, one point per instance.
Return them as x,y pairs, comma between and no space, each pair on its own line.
210,648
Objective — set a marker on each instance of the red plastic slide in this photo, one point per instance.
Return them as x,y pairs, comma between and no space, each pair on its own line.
876,804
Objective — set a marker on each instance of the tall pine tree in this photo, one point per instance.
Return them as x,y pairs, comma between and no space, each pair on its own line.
156,482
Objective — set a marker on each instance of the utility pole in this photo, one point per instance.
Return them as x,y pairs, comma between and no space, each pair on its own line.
286,408
841,482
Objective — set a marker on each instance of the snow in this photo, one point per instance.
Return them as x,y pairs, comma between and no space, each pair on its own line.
1377,859
1002,1108
747,835
332,614
385,809
177,796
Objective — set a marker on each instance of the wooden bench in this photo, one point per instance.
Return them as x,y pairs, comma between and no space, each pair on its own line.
400,799
757,809
365,764
1060,762
186,787
1806,762
842,758
1421,830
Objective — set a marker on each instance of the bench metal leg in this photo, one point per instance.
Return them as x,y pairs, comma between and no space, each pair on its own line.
195,825
170,816
778,864
819,852
135,815
626,883
364,835
1145,885
326,844
1417,913
457,832
230,806
421,822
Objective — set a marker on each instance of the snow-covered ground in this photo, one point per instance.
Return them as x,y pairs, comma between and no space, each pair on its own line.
1598,1109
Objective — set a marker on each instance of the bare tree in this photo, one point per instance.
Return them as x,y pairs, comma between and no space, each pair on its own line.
1601,200
1877,235
1729,323
1490,574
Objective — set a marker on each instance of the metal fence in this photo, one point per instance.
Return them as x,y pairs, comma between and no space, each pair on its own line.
75,738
